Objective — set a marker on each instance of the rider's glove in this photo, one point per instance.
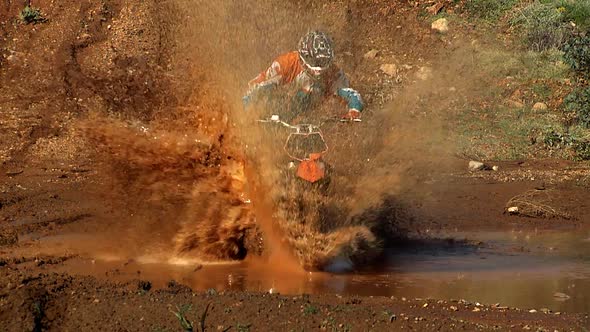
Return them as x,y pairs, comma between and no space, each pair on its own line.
352,115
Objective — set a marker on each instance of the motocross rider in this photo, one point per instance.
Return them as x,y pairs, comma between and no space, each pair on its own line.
311,74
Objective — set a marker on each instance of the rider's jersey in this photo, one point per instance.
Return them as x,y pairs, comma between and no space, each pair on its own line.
287,69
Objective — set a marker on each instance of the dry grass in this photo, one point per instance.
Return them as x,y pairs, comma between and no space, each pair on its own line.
536,204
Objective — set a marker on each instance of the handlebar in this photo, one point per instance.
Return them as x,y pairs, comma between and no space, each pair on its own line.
305,128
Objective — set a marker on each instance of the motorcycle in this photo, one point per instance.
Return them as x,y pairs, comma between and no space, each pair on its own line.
305,145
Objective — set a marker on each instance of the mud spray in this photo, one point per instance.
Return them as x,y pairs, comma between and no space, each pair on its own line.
209,183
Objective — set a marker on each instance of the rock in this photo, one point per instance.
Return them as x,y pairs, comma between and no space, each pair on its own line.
85,37
540,107
533,311
476,166
389,69
495,168
561,296
441,25
424,73
453,308
513,210
372,54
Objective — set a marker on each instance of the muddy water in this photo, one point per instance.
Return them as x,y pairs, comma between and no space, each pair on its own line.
517,269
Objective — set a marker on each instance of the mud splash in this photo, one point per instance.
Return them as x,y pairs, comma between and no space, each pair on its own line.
189,162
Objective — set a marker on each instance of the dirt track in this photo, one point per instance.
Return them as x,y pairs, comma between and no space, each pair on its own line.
126,60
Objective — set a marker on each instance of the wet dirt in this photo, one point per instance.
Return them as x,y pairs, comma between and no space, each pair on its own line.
524,269
88,193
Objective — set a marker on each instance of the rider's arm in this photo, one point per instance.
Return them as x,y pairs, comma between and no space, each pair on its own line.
281,71
351,96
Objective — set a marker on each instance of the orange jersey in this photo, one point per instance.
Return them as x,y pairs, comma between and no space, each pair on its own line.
288,69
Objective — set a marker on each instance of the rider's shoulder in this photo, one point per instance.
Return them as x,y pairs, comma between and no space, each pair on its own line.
289,57
289,61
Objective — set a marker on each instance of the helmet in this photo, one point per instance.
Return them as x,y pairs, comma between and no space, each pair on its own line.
316,52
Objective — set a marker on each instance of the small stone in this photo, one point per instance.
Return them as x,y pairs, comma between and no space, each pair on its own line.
85,37
495,168
424,73
425,305
533,311
561,296
476,165
453,308
513,210
476,309
540,107
441,25
389,69
372,54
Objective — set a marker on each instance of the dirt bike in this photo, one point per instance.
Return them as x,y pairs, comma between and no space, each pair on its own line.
305,146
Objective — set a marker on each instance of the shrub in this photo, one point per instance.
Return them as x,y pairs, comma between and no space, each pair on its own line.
558,140
578,102
490,10
577,11
543,26
582,150
31,15
577,54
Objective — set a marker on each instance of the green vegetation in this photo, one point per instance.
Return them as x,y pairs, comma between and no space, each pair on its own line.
31,15
543,26
577,54
577,140
489,10
185,323
550,23
578,102
310,310
577,11
553,68
243,328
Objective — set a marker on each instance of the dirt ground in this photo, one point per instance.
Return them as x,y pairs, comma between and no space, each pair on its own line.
141,62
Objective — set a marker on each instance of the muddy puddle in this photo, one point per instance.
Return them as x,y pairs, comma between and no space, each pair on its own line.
516,269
